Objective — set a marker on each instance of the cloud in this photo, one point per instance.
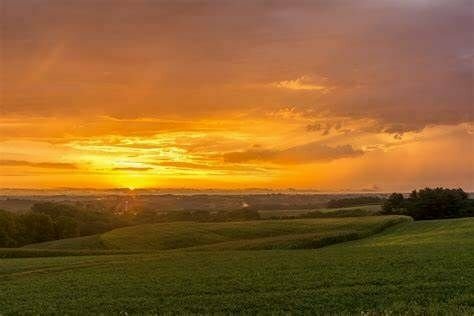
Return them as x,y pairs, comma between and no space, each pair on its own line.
187,165
207,82
217,167
307,153
324,128
132,169
399,63
301,83
46,165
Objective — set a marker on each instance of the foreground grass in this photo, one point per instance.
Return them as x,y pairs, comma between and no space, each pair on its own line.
38,253
270,234
417,268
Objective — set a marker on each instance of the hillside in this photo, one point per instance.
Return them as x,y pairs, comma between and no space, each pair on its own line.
419,268
268,234
352,211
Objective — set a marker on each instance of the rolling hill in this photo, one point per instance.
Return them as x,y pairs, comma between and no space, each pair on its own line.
268,234
416,268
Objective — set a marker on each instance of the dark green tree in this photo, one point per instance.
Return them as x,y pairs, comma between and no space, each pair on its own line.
66,227
8,229
436,203
394,203
36,227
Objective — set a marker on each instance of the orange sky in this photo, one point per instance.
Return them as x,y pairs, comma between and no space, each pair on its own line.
327,95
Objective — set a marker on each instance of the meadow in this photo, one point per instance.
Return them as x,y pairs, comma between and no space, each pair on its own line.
422,267
352,211
266,234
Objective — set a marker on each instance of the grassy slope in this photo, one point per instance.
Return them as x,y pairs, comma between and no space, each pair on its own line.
365,210
422,267
284,234
38,253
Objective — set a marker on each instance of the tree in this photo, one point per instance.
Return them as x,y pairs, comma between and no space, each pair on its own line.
431,203
37,227
54,209
66,227
394,203
8,229
436,203
354,201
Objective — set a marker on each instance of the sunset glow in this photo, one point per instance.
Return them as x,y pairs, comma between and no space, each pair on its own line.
228,95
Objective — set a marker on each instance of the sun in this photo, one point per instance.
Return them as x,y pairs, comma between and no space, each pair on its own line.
132,181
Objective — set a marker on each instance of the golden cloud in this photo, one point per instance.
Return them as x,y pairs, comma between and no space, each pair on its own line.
301,83
302,154
48,165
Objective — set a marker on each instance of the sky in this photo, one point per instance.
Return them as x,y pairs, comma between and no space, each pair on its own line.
328,95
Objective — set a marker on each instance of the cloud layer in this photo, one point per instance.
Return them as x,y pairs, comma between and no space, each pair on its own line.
237,93
407,64
47,165
307,153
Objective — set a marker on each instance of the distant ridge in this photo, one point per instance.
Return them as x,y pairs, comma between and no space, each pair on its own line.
178,191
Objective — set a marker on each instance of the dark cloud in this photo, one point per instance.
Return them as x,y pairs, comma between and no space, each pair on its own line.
47,165
407,64
307,153
324,128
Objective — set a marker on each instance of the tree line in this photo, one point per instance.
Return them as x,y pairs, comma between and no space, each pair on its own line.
51,221
354,201
431,204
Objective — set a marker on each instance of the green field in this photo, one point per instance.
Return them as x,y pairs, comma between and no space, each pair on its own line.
423,267
363,210
256,235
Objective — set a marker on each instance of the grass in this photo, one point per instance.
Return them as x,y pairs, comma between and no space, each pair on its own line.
269,234
364,210
420,268
37,253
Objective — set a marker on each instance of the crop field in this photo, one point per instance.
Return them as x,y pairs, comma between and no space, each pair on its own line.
420,267
37,253
269,234
363,210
